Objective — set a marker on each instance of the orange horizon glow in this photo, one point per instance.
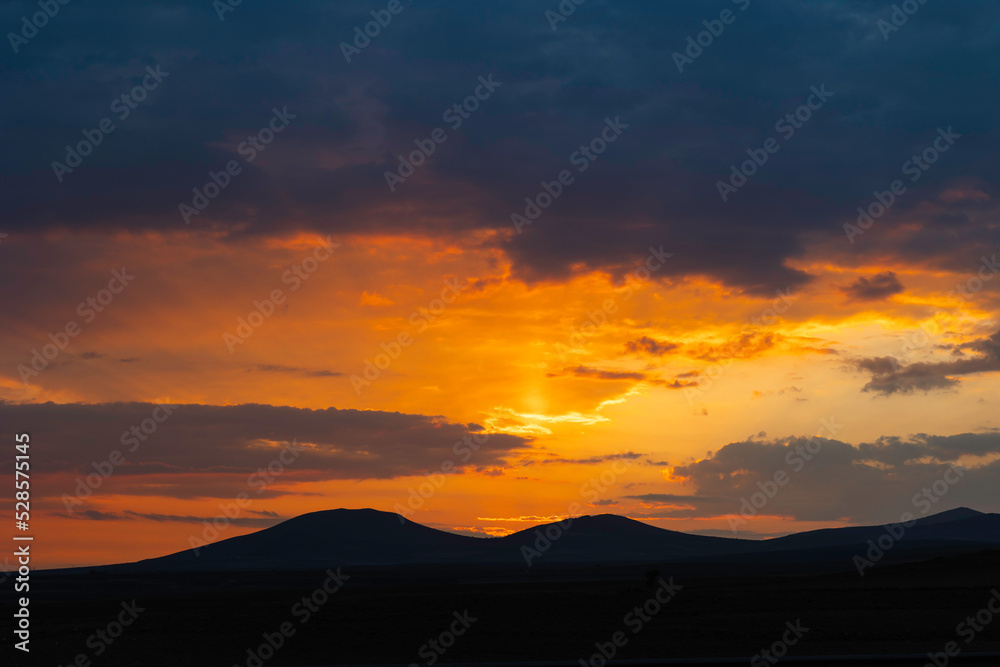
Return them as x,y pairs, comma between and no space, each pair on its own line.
515,358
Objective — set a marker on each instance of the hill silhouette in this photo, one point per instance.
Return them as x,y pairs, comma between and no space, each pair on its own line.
318,539
370,537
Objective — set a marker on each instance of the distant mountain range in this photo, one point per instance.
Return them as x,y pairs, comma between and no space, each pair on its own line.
367,537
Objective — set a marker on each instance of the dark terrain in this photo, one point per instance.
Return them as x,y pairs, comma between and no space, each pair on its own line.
369,537
908,603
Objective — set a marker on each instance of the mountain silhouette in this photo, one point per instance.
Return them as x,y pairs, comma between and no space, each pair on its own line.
612,538
317,539
961,524
370,537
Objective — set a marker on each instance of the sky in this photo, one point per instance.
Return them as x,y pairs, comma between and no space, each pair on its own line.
727,267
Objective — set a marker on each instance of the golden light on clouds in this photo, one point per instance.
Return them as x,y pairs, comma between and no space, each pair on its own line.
679,368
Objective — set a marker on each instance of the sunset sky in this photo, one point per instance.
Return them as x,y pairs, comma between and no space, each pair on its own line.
647,315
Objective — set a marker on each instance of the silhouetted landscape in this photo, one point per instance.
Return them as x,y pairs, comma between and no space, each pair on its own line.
369,537
402,582
559,333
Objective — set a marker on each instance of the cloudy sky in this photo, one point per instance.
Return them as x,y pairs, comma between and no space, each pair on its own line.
489,249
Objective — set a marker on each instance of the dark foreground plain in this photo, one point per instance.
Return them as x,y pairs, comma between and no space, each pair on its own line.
385,615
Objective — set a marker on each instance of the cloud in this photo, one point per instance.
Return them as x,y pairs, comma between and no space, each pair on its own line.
877,288
604,374
655,185
781,392
667,498
599,374
293,370
650,346
322,373
374,299
675,383
889,376
896,451
233,442
128,515
870,482
746,345
593,460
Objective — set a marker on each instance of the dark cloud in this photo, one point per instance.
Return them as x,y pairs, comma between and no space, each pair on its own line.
870,482
599,374
675,383
237,441
650,346
128,515
655,185
593,460
781,392
746,345
896,451
878,287
293,370
667,498
890,376
94,515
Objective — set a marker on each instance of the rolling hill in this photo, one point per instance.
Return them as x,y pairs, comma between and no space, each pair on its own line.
370,537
